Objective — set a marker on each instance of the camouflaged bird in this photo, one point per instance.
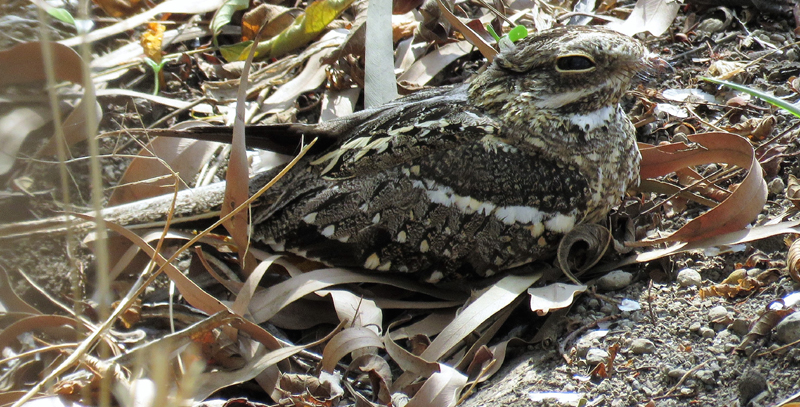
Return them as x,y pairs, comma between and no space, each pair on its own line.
471,179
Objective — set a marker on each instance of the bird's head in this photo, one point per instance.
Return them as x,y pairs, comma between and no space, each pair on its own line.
563,70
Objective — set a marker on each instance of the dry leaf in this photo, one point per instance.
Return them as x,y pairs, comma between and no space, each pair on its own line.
793,260
273,18
169,6
553,296
733,214
793,190
120,8
15,126
653,16
24,64
346,342
147,177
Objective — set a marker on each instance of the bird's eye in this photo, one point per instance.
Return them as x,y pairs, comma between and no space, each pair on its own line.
574,63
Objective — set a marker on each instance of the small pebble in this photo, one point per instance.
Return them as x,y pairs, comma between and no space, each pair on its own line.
705,376
596,356
788,330
641,346
695,326
706,332
711,25
676,373
615,280
751,383
717,314
582,347
776,186
689,277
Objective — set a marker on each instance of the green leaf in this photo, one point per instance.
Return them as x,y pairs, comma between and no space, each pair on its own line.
492,32
236,52
61,15
777,102
304,29
223,16
517,33
152,64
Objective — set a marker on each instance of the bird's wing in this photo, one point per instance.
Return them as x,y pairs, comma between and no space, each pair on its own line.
404,132
424,187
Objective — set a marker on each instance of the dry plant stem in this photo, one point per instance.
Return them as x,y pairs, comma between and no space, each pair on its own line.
61,153
477,380
177,339
778,349
37,351
779,136
717,176
793,397
178,111
653,319
700,119
102,260
499,15
140,286
563,344
680,382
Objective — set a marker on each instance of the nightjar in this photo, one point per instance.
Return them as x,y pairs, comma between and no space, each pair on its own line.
471,179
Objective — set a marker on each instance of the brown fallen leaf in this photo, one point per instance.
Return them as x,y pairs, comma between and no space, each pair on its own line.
734,213
120,8
793,190
793,260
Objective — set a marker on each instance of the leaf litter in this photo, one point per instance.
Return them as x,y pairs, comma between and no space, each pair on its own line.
444,342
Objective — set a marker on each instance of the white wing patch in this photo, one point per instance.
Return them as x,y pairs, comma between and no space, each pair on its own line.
536,220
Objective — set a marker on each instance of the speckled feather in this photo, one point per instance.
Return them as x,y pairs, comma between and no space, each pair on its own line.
472,179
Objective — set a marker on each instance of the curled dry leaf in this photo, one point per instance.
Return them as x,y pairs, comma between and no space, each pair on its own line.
793,191
725,70
793,260
739,283
379,372
734,213
762,327
271,19
590,242
553,296
305,390
441,389
15,126
355,310
348,341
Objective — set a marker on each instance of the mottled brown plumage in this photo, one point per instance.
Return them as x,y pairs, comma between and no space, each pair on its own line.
472,179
